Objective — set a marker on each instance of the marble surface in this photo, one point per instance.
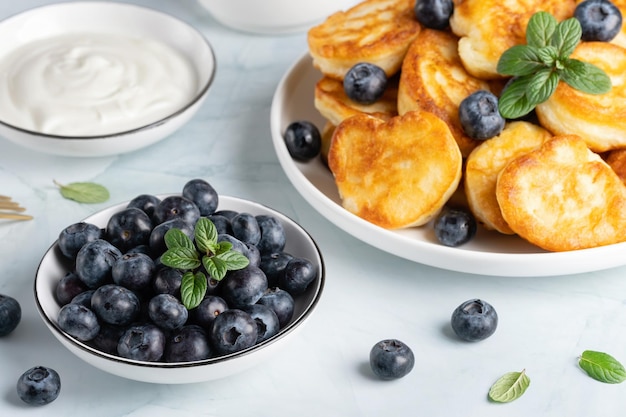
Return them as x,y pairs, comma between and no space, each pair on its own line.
545,323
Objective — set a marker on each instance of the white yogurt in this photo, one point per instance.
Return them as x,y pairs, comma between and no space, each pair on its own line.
89,84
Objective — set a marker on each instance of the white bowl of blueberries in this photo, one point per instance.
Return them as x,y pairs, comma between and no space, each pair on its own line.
179,288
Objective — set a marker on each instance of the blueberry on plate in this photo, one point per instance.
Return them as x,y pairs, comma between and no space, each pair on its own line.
273,238
391,359
365,83
128,228
281,302
189,343
10,314
454,227
94,262
479,115
39,385
115,304
434,14
68,287
232,331
266,321
474,320
145,202
202,194
243,287
142,342
600,20
299,274
78,321
303,140
167,312
74,236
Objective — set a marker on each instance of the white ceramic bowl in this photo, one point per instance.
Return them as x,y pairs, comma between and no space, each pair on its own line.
273,16
115,19
299,243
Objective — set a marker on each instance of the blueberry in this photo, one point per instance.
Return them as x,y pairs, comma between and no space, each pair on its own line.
83,298
78,321
479,115
434,14
273,238
391,359
167,312
187,344
94,262
229,214
600,20
281,302
176,207
142,342
115,304
74,236
167,281
128,228
68,287
266,321
145,202
208,309
243,286
157,237
107,338
299,274
221,223
202,194
232,331
246,228
10,314
365,83
454,227
474,320
39,385
253,254
303,140
133,271
273,264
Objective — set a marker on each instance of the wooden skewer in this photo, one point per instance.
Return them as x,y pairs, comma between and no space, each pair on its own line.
11,206
15,216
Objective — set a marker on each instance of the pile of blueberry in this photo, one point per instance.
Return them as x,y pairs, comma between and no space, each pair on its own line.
122,299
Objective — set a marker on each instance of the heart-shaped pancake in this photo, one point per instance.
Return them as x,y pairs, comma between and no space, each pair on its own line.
396,173
562,196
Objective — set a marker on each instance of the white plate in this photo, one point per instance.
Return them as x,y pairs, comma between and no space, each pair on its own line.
299,243
489,253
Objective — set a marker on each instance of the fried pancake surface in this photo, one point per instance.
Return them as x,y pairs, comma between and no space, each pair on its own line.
563,197
617,161
434,79
489,27
396,173
485,163
333,103
374,31
598,118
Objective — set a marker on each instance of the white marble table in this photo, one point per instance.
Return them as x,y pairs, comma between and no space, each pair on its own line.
545,323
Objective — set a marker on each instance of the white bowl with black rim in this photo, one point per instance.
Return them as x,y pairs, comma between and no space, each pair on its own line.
54,266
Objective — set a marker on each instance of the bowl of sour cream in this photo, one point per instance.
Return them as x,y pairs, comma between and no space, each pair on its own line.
91,79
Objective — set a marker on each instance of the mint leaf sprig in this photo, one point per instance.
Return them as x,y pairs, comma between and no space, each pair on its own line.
217,258
538,66
602,367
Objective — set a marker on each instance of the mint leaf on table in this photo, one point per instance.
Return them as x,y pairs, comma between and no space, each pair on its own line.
602,367
509,387
539,66
84,192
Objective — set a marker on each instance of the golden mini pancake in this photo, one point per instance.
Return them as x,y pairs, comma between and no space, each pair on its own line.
617,161
485,163
374,31
489,27
433,79
600,119
397,173
563,197
333,103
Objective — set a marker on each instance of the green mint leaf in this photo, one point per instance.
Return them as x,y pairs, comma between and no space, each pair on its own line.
193,288
223,247
520,60
602,367
541,85
513,102
205,234
215,266
548,55
585,77
175,238
234,260
181,258
509,387
84,192
540,29
566,37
